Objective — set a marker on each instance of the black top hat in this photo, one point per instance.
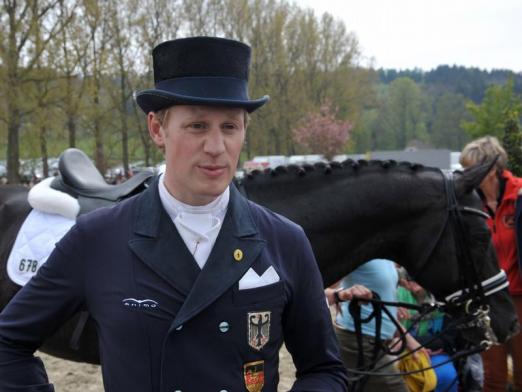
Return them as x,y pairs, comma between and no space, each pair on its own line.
200,71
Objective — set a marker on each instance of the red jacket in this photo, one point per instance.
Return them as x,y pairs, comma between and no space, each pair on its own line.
505,229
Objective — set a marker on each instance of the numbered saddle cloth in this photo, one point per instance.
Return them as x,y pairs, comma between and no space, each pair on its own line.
34,243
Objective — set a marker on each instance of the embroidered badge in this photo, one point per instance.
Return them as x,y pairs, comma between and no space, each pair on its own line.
254,373
258,329
509,221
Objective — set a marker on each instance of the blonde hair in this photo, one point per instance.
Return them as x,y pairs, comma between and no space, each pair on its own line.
484,149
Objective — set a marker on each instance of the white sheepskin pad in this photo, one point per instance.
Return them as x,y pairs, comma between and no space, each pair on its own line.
46,199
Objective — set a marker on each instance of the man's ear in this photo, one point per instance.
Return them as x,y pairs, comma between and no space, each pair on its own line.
156,131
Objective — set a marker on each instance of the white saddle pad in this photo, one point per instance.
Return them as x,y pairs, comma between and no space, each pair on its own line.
34,243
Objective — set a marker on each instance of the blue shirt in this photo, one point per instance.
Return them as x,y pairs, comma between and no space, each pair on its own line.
378,275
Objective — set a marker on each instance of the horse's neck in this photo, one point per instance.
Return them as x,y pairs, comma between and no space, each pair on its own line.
352,216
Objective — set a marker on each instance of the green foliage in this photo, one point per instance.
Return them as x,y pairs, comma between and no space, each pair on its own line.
401,117
68,77
449,111
512,142
469,82
100,54
489,117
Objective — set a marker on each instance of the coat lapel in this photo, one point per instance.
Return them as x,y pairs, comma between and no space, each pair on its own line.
222,270
159,245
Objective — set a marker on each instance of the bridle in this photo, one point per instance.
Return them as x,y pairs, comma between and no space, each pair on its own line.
472,298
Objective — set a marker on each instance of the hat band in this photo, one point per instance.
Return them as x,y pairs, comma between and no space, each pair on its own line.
214,87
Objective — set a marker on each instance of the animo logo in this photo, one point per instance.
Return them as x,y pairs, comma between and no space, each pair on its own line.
140,303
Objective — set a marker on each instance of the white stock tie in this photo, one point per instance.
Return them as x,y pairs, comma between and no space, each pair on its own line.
199,232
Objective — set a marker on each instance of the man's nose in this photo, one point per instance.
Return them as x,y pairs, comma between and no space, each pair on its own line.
214,143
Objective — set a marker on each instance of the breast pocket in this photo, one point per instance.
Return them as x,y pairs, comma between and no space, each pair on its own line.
272,293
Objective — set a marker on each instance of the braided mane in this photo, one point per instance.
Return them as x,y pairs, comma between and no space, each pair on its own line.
329,167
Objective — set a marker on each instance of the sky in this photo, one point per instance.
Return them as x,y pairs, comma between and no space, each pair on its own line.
406,34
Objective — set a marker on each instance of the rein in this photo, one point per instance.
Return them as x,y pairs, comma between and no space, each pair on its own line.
472,298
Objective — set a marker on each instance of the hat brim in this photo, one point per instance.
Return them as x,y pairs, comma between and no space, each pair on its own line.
154,100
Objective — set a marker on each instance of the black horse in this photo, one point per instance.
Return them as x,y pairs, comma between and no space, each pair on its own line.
352,212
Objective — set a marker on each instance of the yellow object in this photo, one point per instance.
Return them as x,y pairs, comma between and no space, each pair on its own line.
238,254
424,381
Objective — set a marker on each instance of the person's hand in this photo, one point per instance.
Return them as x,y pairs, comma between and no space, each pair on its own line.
356,291
434,352
402,313
340,295
415,347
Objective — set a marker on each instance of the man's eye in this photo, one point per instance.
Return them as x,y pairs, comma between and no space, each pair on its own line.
229,127
197,126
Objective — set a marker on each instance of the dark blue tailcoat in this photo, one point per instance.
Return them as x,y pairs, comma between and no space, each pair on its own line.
164,324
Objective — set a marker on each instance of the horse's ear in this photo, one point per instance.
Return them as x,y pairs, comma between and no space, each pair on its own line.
473,176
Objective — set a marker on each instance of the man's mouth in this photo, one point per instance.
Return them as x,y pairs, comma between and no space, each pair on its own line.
213,170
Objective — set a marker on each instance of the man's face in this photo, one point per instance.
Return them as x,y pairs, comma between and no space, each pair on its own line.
202,146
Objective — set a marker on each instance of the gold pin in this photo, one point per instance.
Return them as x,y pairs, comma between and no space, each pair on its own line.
238,254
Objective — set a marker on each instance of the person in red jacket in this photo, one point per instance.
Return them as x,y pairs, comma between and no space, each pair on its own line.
501,193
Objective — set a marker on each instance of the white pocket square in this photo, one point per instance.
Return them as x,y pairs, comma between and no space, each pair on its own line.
252,280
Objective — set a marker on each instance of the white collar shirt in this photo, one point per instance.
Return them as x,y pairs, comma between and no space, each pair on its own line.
198,226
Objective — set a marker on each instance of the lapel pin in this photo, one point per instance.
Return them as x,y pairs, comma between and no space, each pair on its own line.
238,255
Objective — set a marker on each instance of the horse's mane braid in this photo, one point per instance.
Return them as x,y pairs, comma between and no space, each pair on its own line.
328,167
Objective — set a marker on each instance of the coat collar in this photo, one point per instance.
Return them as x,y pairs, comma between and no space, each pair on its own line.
511,186
150,211
158,244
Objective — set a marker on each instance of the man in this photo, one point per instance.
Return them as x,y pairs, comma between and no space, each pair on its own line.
192,287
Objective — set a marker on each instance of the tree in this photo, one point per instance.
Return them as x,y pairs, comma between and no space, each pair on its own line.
512,142
98,53
323,133
73,49
449,110
401,116
19,56
489,117
95,69
406,112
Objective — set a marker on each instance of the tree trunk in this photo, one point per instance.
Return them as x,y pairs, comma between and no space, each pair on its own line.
43,151
14,121
71,129
144,137
13,145
98,136
124,131
99,154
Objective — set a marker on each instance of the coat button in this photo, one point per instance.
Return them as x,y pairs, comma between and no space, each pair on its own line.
223,390
224,327
179,329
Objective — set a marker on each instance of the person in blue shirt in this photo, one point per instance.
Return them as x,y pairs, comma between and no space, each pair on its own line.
380,276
